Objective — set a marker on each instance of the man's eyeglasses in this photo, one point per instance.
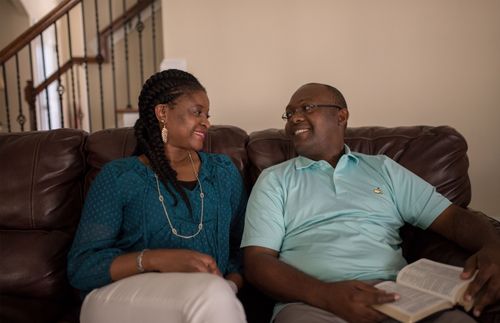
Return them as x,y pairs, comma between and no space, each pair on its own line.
287,115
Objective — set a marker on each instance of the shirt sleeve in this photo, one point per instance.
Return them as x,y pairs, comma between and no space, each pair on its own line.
93,248
264,218
418,201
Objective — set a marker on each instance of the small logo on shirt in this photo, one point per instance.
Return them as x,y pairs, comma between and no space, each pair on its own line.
378,190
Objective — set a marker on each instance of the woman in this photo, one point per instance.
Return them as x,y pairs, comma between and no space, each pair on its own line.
159,236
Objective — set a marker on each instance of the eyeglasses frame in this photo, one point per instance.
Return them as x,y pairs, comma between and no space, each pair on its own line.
304,111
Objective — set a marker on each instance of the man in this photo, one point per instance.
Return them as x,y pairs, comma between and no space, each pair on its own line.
323,227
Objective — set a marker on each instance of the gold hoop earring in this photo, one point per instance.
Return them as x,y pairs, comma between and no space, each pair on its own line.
164,133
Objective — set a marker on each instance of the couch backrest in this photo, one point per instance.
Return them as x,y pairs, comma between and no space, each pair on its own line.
106,145
40,203
437,154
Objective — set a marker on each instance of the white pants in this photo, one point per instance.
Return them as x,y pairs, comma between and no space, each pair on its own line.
164,297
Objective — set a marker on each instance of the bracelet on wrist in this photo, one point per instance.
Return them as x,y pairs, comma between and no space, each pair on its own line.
138,261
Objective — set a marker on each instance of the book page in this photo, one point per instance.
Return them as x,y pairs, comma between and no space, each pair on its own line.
412,304
436,278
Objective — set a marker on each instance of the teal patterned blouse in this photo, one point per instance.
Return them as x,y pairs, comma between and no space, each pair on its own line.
122,214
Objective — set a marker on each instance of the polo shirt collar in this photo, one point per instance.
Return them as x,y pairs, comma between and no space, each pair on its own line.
302,162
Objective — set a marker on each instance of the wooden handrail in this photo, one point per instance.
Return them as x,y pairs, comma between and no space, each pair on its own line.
66,66
35,30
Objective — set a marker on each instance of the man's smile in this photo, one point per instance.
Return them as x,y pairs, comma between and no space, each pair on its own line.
300,131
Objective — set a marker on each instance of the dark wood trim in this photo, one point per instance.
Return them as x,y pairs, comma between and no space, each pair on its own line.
31,99
35,30
54,76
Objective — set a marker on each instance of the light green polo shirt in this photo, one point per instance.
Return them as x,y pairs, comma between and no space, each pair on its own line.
339,223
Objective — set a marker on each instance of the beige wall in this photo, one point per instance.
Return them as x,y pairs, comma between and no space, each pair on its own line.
13,20
397,62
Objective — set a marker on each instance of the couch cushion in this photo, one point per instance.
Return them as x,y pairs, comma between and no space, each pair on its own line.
41,194
437,154
41,179
35,262
15,309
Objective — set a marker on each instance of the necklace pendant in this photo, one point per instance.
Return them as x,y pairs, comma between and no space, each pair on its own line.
200,226
174,231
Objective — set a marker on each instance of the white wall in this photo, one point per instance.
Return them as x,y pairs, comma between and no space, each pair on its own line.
37,9
397,62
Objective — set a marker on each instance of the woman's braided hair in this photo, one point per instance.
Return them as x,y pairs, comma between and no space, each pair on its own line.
161,88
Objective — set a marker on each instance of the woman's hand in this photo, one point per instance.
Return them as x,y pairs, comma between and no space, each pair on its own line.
235,280
179,260
165,261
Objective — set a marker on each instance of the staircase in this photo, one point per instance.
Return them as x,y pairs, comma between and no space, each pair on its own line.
82,66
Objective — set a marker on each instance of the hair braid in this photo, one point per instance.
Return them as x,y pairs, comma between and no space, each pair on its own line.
161,88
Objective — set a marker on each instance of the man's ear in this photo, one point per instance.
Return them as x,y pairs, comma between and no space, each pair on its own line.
161,112
343,116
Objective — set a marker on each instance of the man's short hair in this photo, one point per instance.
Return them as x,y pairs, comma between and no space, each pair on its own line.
338,97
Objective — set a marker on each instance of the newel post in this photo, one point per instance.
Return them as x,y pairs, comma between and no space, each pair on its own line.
30,97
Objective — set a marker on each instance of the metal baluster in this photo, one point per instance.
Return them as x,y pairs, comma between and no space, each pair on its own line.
75,110
33,117
60,87
45,77
127,72
99,63
154,34
140,27
86,68
21,119
113,67
6,91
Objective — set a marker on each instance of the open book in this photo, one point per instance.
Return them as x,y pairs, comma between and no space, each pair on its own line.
425,287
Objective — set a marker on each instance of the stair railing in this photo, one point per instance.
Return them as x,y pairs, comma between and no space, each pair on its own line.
86,90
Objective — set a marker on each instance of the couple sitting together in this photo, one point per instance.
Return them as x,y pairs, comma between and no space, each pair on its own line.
164,233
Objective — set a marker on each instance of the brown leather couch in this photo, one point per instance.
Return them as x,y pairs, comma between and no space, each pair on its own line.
44,176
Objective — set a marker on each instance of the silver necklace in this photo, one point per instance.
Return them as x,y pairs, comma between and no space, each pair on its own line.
202,196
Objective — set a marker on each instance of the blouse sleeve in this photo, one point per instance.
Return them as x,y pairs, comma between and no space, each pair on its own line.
93,248
238,205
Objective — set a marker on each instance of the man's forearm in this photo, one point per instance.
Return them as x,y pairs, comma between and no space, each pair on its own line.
470,231
282,281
